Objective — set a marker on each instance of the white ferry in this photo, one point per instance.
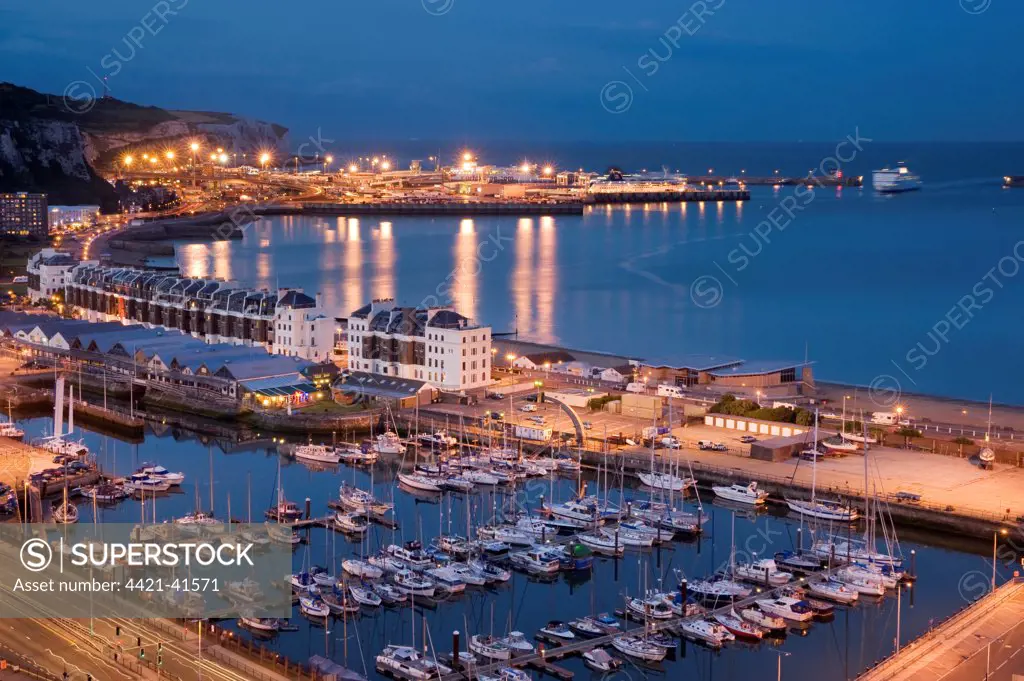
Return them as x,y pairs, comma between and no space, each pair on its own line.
895,180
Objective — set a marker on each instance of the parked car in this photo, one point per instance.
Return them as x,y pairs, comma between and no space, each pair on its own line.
497,416
531,398
587,425
528,407
748,439
705,444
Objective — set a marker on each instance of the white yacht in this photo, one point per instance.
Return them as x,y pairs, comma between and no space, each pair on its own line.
351,523
490,647
356,499
832,590
635,646
11,431
421,482
388,443
627,537
653,607
853,550
447,578
361,568
411,553
764,571
409,582
535,560
161,473
316,453
786,607
601,543
862,581
666,481
748,494
895,180
714,635
406,662
365,596
826,510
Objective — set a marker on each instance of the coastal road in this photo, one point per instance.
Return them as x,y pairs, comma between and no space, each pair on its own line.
998,660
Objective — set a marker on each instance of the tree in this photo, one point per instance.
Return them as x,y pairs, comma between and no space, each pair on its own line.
907,432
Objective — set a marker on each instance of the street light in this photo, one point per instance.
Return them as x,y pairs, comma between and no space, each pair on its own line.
223,157
264,159
328,160
352,167
995,537
170,155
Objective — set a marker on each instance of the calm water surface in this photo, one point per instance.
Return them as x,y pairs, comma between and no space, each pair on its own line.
922,287
829,651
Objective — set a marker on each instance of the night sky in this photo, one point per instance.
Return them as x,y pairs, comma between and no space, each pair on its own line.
598,70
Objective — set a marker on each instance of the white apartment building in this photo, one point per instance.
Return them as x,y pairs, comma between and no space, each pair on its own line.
48,271
436,345
301,329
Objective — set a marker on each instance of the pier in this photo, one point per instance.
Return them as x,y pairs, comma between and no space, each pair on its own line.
457,208
978,642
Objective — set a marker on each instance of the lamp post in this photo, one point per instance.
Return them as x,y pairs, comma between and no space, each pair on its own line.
995,538
328,160
194,147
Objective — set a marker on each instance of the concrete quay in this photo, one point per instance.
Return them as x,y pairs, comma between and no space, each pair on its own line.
982,641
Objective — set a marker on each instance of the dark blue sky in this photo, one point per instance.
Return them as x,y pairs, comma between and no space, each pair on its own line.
475,70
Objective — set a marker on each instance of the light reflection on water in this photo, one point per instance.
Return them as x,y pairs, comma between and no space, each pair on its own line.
246,475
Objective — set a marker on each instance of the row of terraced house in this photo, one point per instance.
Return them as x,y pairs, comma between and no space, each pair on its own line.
286,321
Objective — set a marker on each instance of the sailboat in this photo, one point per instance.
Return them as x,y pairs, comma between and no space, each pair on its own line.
817,508
8,429
57,444
65,513
987,456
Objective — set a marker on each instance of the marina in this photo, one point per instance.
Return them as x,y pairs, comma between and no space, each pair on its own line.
599,589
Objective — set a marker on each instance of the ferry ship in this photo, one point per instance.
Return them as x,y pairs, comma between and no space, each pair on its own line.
895,180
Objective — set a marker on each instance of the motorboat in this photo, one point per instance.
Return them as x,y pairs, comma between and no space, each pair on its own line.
635,646
600,543
365,596
284,511
637,526
490,647
353,522
758,617
446,579
260,625
490,571
161,473
456,483
141,483
833,590
536,528
314,606
558,629
535,560
356,499
764,571
301,581
438,440
748,494
666,481
826,510
65,513
411,553
508,534
468,574
316,453
505,674
478,477
282,534
405,662
704,631
245,591
653,607
599,660
58,445
354,454
679,607
579,512
387,563
106,493
388,443
454,544
592,627
420,482
197,519
361,568
739,627
516,640
576,557
389,594
322,576
787,607
411,583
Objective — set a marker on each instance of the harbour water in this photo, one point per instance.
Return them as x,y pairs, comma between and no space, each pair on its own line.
922,287
838,649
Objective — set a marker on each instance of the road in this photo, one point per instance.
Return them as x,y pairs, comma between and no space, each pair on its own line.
1000,660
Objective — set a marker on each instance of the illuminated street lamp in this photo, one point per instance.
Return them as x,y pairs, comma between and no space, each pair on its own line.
352,168
548,170
223,157
170,155
995,536
385,165
328,160
264,159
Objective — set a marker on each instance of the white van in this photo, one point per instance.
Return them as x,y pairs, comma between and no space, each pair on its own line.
636,388
665,390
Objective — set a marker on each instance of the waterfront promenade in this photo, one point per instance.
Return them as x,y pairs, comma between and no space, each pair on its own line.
982,641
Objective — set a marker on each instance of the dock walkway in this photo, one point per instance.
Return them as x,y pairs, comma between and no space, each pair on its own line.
959,648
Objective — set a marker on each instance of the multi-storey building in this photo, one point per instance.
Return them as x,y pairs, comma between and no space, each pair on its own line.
24,214
48,272
436,345
285,322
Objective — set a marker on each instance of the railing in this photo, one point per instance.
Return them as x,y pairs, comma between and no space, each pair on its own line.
952,625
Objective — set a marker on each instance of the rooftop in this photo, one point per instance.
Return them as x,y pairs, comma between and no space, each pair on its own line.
759,367
694,362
